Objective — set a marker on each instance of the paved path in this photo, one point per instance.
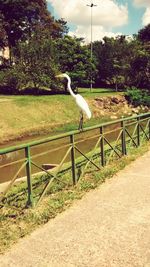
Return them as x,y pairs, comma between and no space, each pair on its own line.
109,227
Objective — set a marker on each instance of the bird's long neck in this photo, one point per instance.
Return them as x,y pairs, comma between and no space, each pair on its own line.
69,88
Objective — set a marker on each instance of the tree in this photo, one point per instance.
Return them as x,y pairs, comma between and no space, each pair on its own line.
144,34
97,54
3,36
60,28
121,65
112,61
144,56
140,68
22,17
74,58
35,61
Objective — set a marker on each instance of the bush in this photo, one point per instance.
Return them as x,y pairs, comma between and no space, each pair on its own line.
138,96
16,80
11,80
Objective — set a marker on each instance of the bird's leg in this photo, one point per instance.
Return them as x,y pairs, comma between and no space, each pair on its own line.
81,122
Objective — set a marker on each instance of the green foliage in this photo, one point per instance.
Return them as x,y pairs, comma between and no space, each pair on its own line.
139,74
20,18
61,30
11,80
144,34
123,62
137,96
74,58
34,66
3,37
111,55
40,48
35,62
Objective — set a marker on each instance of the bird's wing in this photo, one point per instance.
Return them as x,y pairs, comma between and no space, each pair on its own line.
83,105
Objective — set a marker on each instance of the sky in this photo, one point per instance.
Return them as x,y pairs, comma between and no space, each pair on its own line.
109,17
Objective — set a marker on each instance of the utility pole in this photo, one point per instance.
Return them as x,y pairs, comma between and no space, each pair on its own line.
91,6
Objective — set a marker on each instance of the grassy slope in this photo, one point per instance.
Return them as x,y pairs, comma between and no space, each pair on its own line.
28,115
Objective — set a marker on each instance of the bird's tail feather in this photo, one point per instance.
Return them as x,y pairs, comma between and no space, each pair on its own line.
89,114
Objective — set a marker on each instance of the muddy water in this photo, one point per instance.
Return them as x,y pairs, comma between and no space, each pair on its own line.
53,157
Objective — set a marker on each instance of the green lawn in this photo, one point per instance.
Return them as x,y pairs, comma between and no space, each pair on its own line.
98,92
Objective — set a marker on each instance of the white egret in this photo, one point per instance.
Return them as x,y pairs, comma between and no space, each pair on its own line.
80,101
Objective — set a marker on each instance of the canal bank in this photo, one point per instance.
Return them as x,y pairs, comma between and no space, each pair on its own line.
28,117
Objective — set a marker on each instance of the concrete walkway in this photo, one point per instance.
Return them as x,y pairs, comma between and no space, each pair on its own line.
109,227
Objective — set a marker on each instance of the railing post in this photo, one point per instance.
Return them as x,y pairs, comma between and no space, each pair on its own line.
123,139
138,131
73,159
102,147
28,172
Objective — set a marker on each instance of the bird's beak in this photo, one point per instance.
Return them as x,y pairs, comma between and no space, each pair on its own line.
57,76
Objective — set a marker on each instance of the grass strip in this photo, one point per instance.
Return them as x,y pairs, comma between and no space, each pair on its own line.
16,221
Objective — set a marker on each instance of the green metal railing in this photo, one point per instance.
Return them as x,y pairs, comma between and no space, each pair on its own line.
131,131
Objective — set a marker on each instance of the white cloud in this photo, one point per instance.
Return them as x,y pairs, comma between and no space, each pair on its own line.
106,12
98,33
106,15
146,17
144,3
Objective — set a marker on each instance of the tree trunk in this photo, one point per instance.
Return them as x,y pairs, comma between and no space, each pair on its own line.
116,87
10,54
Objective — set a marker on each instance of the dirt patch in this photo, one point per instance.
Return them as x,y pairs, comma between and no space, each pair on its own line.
115,107
5,100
